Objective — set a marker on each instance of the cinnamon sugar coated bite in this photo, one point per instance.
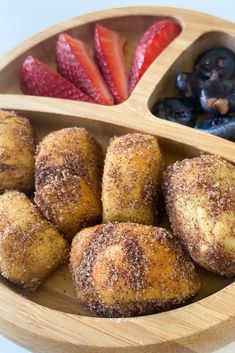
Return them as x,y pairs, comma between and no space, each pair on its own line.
68,179
16,152
30,247
132,173
200,202
127,269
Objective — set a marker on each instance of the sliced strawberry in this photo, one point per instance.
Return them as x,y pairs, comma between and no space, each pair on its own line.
75,63
109,55
39,80
153,42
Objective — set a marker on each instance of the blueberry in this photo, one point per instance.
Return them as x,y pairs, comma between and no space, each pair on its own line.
221,126
178,110
215,63
187,84
218,96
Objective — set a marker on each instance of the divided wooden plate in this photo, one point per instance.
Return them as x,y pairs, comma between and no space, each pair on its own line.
50,320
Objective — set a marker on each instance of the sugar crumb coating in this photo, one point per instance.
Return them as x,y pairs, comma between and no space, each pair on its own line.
68,179
30,247
200,202
16,152
132,173
128,269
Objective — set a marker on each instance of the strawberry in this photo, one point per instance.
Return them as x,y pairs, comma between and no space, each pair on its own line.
153,42
75,63
109,55
39,80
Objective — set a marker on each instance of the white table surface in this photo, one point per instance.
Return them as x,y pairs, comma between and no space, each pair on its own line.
19,19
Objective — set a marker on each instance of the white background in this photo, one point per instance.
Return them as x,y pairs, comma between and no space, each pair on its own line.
20,19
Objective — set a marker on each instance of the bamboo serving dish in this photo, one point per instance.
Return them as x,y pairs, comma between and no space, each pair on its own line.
50,320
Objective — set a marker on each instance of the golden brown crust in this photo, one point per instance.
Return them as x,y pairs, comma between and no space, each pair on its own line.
128,269
68,179
16,152
200,202
132,172
30,247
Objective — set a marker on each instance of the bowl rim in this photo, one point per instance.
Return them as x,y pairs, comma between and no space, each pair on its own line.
36,319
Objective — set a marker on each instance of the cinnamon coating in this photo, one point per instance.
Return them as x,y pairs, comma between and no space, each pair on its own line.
200,202
30,247
16,152
128,269
68,179
132,172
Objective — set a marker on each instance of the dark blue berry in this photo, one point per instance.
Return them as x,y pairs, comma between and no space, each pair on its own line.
178,110
187,84
221,126
215,63
218,96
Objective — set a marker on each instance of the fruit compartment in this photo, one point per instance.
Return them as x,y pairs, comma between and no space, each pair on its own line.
131,27
185,62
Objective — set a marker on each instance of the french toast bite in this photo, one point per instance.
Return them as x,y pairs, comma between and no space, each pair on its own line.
30,247
200,202
16,152
68,179
128,269
131,181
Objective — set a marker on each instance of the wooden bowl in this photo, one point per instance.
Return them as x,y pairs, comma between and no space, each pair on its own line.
50,320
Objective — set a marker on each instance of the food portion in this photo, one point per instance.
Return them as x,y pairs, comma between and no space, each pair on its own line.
131,179
110,58
200,202
223,126
39,80
127,269
30,247
75,63
215,63
178,110
124,267
188,86
152,43
68,179
209,89
99,75
16,152
218,96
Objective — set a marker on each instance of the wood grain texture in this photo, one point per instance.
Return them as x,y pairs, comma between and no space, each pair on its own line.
50,320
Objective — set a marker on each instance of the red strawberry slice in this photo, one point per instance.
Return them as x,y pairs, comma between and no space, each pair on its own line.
109,55
39,80
75,63
153,42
